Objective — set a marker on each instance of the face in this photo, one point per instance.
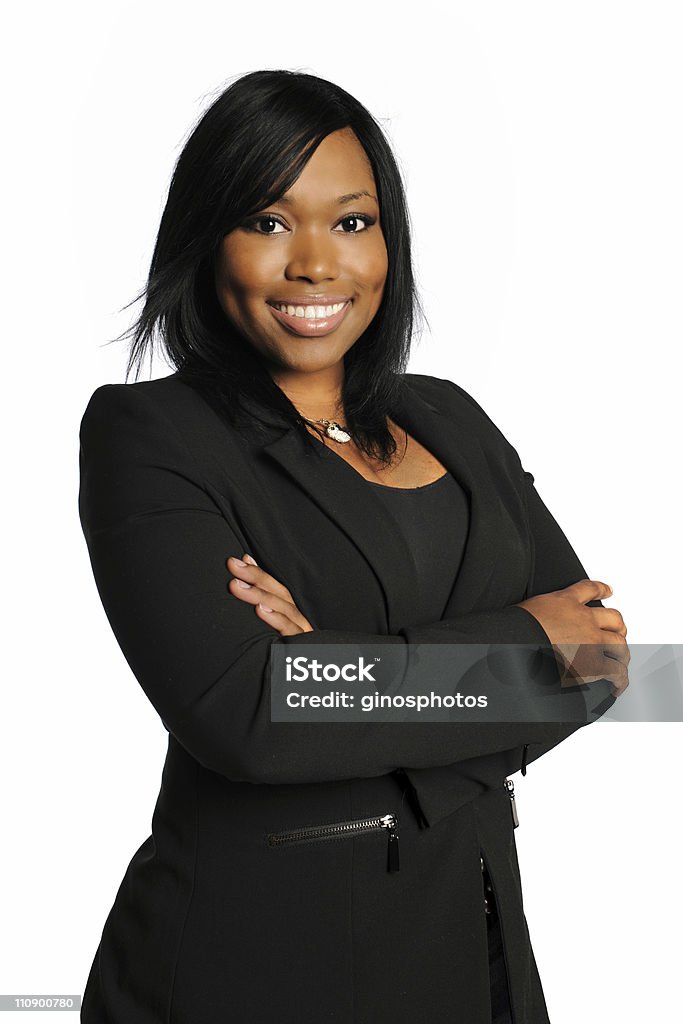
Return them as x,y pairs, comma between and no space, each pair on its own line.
278,274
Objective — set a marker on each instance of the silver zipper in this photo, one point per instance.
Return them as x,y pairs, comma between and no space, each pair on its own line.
510,786
313,833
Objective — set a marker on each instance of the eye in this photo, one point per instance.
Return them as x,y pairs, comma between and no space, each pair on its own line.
267,218
356,219
357,223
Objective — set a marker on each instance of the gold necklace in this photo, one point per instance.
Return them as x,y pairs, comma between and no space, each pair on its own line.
333,429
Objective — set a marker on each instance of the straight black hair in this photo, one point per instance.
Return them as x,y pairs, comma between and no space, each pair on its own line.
244,153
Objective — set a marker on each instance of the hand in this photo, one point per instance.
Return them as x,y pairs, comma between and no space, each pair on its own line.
589,643
272,601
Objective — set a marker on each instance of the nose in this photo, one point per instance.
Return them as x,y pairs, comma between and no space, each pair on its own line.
312,257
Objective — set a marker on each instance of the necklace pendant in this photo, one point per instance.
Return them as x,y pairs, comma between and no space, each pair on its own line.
337,433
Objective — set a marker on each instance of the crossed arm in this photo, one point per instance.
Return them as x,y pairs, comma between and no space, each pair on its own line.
158,546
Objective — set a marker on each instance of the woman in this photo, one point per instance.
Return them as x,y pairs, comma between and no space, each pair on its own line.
290,483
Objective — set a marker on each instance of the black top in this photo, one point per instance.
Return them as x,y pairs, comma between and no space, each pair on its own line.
434,519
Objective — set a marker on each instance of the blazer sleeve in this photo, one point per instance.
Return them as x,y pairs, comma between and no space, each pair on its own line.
554,566
158,544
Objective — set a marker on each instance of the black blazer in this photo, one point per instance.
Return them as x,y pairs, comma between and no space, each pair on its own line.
235,908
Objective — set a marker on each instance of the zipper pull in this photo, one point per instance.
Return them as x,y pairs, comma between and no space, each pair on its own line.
510,786
390,823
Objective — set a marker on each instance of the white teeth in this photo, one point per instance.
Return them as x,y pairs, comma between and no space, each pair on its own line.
311,312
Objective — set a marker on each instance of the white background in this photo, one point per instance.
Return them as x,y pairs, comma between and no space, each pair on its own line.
542,152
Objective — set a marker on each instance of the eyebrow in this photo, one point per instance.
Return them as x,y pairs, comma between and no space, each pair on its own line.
349,197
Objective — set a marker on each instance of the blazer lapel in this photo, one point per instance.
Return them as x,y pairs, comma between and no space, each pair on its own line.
352,504
348,499
487,574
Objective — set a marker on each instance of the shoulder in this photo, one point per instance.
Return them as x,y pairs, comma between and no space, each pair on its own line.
142,421
146,425
446,396
452,400
154,423
162,399
429,386
162,391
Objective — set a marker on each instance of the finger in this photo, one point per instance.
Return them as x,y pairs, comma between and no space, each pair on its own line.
587,663
591,590
251,594
617,651
620,683
258,577
610,619
280,622
616,657
272,586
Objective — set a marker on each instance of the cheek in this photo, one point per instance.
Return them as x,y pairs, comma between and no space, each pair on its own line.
242,270
371,273
374,269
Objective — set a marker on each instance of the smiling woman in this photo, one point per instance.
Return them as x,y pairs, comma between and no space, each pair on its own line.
331,243
368,505
286,198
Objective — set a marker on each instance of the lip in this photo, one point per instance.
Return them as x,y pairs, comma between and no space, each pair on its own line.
310,327
308,300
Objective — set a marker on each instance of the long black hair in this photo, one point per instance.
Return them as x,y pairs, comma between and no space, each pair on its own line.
244,153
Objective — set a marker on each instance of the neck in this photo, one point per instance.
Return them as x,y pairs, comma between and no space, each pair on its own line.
317,395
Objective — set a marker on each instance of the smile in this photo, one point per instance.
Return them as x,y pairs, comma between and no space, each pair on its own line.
308,320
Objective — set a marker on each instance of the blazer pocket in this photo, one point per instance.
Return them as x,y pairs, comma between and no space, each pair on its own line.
343,830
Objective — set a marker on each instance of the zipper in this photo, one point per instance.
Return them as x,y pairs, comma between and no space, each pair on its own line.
341,829
510,786
488,909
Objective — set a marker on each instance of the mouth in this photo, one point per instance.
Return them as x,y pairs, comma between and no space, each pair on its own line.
308,320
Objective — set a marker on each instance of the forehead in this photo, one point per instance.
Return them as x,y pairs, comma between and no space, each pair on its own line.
338,166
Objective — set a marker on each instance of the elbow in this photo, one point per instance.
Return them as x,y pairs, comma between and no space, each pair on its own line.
242,755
